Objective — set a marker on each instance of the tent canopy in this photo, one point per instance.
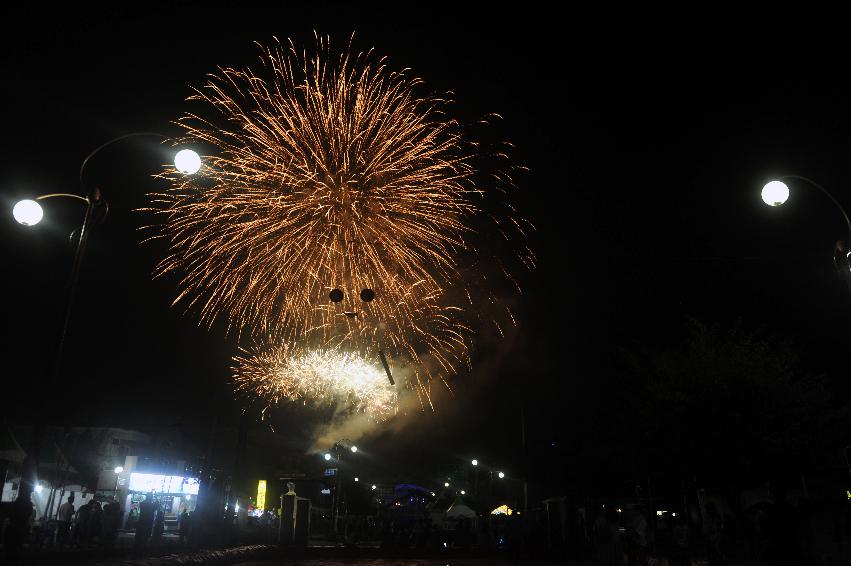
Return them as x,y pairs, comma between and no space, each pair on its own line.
459,510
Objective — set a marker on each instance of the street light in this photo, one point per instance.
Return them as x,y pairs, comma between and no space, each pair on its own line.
354,448
501,475
118,469
475,462
29,212
776,192
327,457
187,162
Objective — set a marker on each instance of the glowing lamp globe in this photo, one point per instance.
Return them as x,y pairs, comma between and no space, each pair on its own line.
354,448
501,475
775,193
475,462
187,161
327,457
119,469
28,212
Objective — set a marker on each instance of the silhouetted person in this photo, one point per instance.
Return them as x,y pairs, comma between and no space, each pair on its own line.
81,523
109,523
681,554
184,522
147,510
712,527
781,524
95,518
159,525
638,538
64,516
20,517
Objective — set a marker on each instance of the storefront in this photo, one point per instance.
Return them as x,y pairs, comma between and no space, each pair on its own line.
173,494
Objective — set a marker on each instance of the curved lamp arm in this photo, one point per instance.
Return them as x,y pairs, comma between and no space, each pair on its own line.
69,195
112,141
826,192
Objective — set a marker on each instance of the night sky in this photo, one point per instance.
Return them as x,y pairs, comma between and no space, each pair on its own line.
648,136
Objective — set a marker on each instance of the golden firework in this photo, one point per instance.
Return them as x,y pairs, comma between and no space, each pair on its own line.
323,377
330,172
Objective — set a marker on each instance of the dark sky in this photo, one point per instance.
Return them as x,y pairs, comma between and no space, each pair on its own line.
648,135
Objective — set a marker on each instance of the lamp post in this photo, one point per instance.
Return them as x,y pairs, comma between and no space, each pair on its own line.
338,448
29,213
776,193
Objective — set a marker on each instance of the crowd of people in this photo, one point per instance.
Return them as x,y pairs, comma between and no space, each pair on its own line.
777,534
150,525
93,523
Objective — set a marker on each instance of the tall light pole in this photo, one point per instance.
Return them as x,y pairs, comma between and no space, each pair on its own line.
29,213
776,193
338,448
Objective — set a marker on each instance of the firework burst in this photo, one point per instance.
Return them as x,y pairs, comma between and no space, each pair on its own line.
330,172
316,377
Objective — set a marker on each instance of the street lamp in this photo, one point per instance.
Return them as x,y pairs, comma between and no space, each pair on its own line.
475,462
501,475
776,192
327,457
29,212
354,449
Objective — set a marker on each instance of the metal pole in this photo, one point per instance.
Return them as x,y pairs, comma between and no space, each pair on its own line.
31,462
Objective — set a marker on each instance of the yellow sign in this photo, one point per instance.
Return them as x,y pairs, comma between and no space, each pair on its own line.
261,494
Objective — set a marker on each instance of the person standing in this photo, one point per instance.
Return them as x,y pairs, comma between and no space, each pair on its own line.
184,522
147,510
81,524
63,519
109,523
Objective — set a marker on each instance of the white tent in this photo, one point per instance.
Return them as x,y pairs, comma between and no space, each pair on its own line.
459,510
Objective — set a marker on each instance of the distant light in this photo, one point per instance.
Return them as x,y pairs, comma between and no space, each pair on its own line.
432,494
620,510
475,462
446,484
501,475
327,457
673,514
660,513
38,488
118,469
775,193
187,161
356,479
236,508
373,486
28,212
354,448
463,492
188,496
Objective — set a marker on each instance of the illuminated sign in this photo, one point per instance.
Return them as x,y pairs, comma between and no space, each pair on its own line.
502,510
261,494
163,484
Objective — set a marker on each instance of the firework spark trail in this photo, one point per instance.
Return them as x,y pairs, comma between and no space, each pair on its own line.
328,173
323,377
